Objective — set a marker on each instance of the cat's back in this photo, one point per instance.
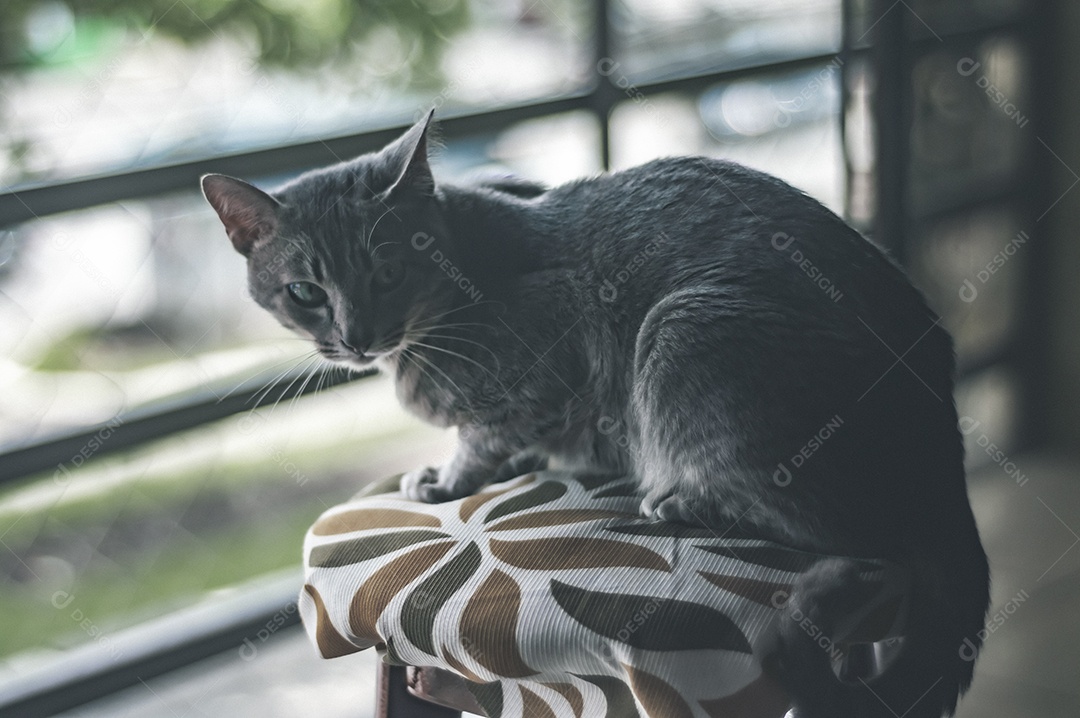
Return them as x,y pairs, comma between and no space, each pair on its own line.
686,183
698,208
699,213
644,232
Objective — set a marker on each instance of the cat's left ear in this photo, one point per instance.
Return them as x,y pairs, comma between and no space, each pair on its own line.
408,157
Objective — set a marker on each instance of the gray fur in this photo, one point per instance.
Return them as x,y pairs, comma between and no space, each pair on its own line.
678,322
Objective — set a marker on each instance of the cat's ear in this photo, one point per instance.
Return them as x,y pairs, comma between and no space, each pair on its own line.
248,213
408,157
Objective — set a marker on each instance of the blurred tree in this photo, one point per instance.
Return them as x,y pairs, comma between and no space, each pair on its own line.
288,33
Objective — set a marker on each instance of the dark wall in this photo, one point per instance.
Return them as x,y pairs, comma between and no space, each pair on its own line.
1062,269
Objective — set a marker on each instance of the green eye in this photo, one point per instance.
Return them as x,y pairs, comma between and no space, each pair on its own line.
307,295
389,275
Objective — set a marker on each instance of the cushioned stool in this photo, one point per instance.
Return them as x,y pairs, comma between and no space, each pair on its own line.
549,595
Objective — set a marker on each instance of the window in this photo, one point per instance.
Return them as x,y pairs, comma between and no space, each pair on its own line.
162,440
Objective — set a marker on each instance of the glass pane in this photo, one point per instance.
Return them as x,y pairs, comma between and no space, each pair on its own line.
128,84
131,536
859,145
970,121
784,124
119,306
552,150
663,38
956,15
126,304
929,18
970,269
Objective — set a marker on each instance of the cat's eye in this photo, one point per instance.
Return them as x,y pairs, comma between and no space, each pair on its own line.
389,275
306,294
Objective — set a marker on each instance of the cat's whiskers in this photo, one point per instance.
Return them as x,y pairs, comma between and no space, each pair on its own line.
275,340
464,397
421,326
450,337
304,251
428,325
324,371
457,354
405,354
448,312
328,371
264,369
367,242
376,250
363,229
257,398
317,368
445,331
316,357
259,395
274,382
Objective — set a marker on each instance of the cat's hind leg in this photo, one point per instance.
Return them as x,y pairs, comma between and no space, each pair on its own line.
710,398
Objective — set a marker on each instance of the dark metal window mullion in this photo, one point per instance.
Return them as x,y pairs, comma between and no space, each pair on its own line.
846,14
602,98
1032,337
131,429
891,58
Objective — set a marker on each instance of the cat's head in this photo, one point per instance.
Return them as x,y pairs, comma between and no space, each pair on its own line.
343,255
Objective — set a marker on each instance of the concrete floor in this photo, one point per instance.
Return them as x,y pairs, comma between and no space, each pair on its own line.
1030,664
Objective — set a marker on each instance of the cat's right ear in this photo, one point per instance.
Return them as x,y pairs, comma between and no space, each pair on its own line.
248,213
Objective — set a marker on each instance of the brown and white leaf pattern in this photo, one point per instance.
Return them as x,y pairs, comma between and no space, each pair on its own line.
554,598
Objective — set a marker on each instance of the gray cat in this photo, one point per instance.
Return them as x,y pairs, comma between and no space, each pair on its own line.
705,328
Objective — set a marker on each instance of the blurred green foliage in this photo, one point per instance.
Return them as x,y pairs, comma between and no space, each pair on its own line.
282,33
163,541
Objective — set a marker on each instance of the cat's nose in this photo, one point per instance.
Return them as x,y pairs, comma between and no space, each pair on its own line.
358,341
358,346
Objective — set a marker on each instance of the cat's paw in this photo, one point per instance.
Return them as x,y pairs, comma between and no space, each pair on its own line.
670,508
425,485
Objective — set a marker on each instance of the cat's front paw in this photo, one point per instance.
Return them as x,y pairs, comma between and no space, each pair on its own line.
427,486
663,506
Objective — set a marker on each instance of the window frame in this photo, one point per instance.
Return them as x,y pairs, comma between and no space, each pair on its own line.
890,55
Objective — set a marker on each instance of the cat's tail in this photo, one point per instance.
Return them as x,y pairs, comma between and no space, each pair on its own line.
933,666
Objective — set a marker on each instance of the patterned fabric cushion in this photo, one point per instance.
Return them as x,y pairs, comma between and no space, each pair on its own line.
553,597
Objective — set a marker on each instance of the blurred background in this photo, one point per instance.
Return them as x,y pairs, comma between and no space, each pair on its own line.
164,444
